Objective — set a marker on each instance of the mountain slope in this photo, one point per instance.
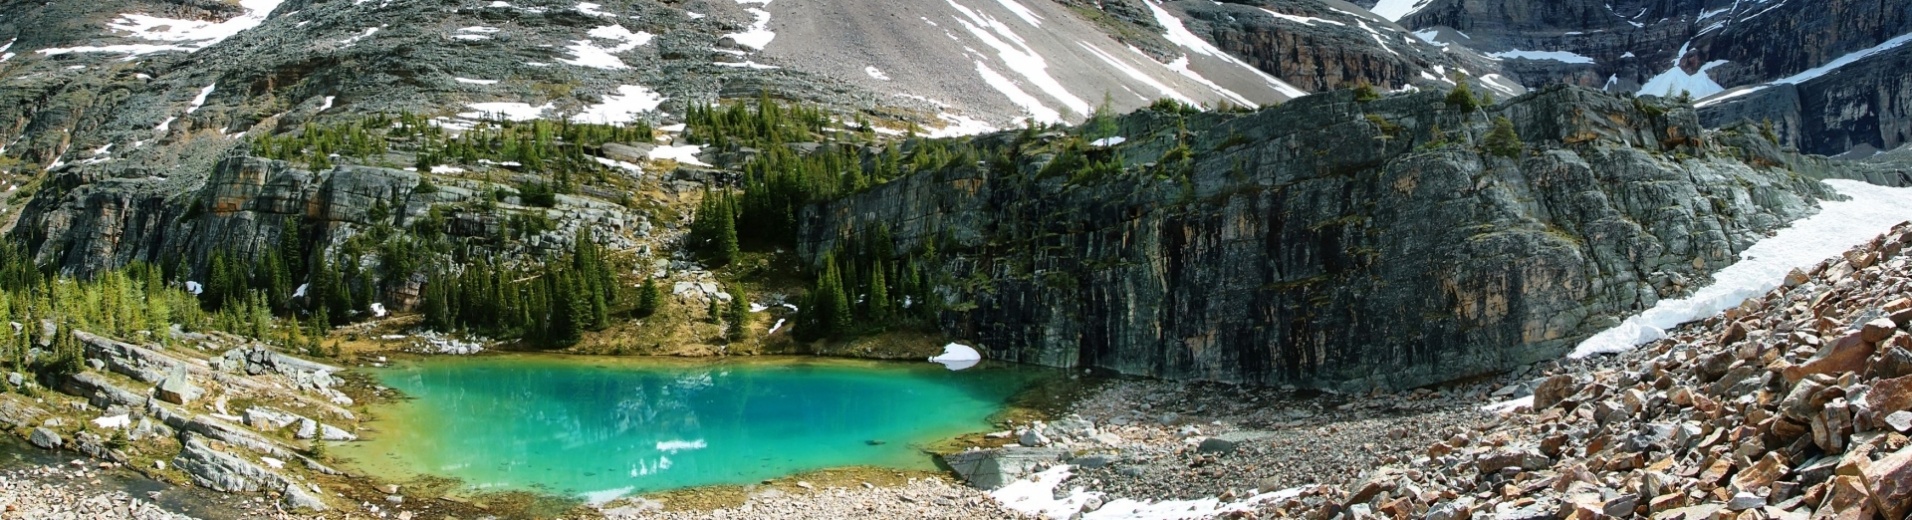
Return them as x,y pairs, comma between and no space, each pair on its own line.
1702,48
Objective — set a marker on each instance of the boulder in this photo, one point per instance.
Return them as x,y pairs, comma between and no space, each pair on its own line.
177,389
333,433
1891,395
629,152
1733,333
992,468
1525,459
46,438
1889,480
267,419
1877,330
1553,390
220,471
1804,401
1032,437
1762,474
1849,353
1846,499
1895,358
1228,442
297,498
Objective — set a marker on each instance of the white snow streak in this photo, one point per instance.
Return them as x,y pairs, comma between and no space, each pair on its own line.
1020,58
1021,12
1160,88
469,81
876,73
1730,94
1303,20
1838,226
1180,36
1847,60
200,100
1008,88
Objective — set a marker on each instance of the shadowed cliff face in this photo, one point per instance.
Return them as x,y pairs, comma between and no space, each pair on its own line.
1314,245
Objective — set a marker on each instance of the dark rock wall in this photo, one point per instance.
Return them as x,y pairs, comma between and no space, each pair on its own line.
242,207
1866,106
1306,248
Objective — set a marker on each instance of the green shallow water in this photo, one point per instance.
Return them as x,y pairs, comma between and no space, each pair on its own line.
597,428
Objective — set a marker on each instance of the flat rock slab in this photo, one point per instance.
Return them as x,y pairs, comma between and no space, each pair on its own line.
992,468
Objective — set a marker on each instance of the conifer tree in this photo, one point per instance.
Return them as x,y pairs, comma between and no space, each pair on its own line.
648,297
1502,140
879,296
737,316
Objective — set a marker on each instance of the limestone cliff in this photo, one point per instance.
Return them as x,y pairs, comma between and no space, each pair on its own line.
1330,242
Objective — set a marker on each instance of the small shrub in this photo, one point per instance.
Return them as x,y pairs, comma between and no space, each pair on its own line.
1364,92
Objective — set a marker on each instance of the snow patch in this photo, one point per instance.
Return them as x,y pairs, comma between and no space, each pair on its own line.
470,81
683,154
327,104
1675,80
1395,10
588,54
1036,495
1560,56
592,9
369,31
1839,225
959,126
185,35
876,73
509,111
1108,141
622,107
758,35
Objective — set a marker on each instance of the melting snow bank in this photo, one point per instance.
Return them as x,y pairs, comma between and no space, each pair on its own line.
1037,495
1838,226
957,356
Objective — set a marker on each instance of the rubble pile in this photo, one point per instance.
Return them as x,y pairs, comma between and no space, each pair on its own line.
1793,405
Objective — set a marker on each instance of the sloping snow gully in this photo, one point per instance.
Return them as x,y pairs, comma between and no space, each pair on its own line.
1838,226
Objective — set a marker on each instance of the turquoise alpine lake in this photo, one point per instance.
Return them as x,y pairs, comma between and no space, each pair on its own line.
597,428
